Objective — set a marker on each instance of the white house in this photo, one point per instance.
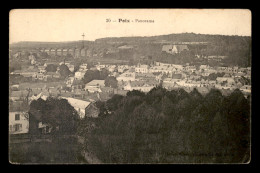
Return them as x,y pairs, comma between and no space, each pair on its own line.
122,68
83,67
18,122
127,76
141,68
229,80
80,75
79,105
69,81
246,88
141,86
71,67
172,49
95,85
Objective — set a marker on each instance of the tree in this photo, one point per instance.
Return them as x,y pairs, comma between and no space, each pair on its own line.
135,93
60,114
90,75
36,111
95,75
64,71
51,68
111,81
103,74
236,110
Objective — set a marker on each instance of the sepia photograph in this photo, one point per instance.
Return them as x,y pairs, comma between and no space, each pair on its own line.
129,86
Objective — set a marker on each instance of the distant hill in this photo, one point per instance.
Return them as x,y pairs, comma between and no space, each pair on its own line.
184,37
236,48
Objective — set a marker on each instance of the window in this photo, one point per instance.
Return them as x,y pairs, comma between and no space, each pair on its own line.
17,117
17,127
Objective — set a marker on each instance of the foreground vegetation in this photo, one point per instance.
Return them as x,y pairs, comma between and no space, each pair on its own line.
60,150
173,127
158,127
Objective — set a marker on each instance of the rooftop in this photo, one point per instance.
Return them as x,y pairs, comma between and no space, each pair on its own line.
77,103
96,83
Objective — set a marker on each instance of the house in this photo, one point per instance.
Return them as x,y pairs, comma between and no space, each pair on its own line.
69,81
53,75
79,75
29,72
239,74
112,68
107,90
71,67
174,49
42,68
83,67
144,86
40,76
44,128
92,111
95,85
79,105
145,76
40,95
127,76
14,87
190,69
169,83
228,80
246,88
122,68
204,67
77,84
141,68
100,66
19,95
18,122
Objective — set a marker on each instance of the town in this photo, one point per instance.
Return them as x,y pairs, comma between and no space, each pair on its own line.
84,84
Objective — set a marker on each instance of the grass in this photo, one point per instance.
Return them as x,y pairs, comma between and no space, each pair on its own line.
59,151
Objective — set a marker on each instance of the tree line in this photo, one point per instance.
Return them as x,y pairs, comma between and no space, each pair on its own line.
172,127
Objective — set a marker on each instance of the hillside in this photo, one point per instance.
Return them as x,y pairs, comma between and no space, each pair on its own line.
184,37
236,48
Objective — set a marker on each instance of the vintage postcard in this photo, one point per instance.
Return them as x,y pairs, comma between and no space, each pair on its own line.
130,86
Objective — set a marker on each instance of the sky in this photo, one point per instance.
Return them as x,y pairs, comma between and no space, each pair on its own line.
55,25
